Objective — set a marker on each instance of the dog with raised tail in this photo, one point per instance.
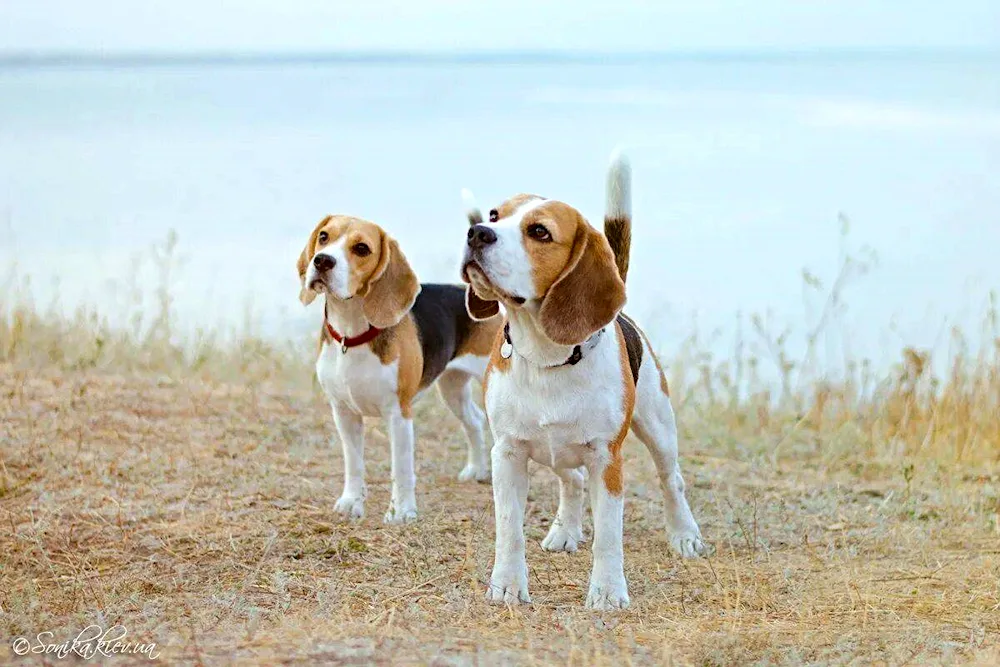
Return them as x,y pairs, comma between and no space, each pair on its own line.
569,375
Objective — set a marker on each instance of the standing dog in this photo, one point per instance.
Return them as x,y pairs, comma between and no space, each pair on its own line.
385,339
568,376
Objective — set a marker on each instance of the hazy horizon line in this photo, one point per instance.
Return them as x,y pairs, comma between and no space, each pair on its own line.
72,58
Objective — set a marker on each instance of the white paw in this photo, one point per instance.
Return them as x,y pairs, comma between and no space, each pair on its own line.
688,544
480,473
561,538
351,507
608,595
401,515
508,586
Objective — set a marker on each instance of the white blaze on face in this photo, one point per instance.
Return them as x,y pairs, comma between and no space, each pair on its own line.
338,277
506,262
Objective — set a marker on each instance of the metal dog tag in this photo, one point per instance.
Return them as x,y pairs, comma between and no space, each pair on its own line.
506,349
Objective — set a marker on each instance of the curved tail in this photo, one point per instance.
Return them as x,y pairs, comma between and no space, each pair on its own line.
618,211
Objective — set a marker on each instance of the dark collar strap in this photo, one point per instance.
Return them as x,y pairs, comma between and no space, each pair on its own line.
573,359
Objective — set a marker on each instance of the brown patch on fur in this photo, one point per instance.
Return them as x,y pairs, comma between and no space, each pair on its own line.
383,346
509,207
664,387
361,271
481,336
618,231
588,293
391,287
613,474
400,343
497,363
411,363
550,258
324,336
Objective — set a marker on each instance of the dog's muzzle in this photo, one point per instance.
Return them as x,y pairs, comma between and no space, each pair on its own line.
322,264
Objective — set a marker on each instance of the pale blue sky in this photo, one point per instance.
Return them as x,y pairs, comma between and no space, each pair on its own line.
442,25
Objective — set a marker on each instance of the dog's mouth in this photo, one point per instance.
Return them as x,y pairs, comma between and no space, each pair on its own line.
474,266
473,274
320,286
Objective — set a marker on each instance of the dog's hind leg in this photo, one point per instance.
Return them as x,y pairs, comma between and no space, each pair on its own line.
654,424
567,530
455,387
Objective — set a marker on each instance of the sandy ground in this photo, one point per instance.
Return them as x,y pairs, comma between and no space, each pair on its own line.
199,517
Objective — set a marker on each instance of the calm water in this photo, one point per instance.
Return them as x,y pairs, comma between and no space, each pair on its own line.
741,170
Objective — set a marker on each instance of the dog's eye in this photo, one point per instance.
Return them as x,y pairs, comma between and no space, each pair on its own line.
323,237
361,249
494,216
539,233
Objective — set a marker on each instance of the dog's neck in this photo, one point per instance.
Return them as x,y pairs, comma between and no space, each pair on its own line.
347,317
531,343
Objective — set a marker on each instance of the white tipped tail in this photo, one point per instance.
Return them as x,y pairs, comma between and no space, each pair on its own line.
618,210
619,188
472,211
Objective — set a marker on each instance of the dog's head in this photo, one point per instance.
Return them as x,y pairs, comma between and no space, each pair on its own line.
348,257
544,257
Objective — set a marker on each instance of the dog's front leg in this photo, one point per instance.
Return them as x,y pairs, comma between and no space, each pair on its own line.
403,504
351,428
608,589
509,581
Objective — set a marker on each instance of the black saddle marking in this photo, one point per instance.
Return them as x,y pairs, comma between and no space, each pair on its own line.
633,345
442,326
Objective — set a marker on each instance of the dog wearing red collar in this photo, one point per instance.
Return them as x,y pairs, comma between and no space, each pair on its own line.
385,339
568,377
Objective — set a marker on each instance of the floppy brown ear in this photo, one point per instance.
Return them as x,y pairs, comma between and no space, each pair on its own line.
306,295
587,295
393,287
478,308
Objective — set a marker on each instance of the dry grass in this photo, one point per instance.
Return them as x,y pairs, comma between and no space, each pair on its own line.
188,496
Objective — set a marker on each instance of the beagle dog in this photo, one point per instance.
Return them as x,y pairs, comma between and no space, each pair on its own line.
385,338
568,375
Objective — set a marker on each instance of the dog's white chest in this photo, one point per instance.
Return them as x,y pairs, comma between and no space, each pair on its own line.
358,379
558,412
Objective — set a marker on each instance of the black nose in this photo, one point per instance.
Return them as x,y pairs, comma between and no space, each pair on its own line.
481,235
324,262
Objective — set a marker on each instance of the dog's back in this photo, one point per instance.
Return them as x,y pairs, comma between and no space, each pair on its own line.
446,331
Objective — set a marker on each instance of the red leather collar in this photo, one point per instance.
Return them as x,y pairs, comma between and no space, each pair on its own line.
353,341
347,342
